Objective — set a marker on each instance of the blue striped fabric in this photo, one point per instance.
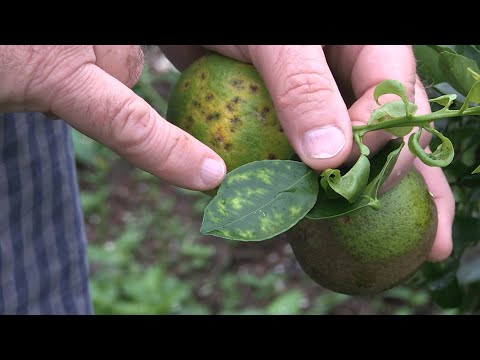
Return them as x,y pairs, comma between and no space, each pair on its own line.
43,264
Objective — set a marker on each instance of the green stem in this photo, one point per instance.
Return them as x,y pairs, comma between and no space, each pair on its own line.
419,120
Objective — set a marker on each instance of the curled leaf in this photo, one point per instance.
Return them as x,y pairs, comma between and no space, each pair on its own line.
351,185
392,87
381,167
443,154
384,161
364,150
330,176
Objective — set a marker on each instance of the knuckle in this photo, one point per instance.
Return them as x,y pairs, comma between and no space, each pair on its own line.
176,151
23,69
54,67
131,126
305,90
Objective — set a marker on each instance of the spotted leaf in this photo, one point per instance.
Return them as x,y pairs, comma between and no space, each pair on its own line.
260,200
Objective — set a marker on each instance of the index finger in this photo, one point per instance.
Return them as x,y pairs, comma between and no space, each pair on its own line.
100,106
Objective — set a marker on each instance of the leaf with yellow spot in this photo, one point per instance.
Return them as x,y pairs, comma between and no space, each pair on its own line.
275,195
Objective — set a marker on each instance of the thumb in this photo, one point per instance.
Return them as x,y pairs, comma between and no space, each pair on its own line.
308,102
106,110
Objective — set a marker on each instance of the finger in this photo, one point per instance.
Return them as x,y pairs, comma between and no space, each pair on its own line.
124,62
369,66
182,55
406,158
308,102
101,107
442,196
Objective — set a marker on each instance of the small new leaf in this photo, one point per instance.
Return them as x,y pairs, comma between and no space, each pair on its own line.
392,87
444,100
260,200
477,170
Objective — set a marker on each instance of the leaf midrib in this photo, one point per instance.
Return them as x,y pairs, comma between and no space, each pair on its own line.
263,206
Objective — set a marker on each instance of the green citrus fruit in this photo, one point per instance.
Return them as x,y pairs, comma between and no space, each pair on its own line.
369,251
224,103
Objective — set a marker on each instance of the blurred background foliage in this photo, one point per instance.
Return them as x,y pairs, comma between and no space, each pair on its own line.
147,257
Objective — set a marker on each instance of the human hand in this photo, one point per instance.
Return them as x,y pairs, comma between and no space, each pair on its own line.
88,87
321,92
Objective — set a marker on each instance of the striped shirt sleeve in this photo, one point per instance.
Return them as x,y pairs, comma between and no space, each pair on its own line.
43,264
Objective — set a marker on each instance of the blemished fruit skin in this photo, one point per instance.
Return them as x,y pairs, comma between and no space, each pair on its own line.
225,104
367,252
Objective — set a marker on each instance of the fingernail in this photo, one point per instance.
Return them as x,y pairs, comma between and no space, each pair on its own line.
212,171
324,142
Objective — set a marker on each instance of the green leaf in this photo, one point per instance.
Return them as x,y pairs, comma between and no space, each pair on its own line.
475,75
455,67
260,200
428,64
474,93
326,208
394,147
446,291
391,87
364,150
469,51
466,233
352,184
443,154
287,304
476,171
390,111
445,100
444,48
381,167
